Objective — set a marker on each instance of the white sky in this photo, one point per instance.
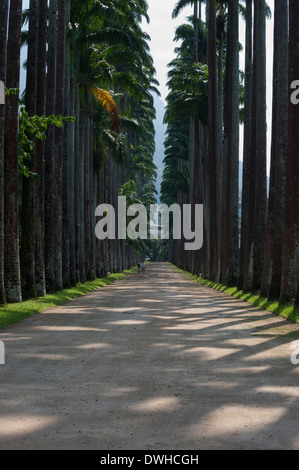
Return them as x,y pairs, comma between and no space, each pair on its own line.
162,30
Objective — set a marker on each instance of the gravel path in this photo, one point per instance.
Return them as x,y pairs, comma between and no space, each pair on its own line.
155,362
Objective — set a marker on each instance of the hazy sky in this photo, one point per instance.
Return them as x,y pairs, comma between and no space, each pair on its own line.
162,30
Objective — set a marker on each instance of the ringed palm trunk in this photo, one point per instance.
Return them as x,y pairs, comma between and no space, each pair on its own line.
81,193
60,82
77,154
275,227
232,196
11,188
66,162
290,258
3,35
213,145
87,198
247,139
260,209
40,152
195,137
221,20
50,152
195,34
72,183
249,245
92,183
27,252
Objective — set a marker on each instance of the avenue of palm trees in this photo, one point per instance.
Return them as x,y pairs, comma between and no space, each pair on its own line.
83,133
251,239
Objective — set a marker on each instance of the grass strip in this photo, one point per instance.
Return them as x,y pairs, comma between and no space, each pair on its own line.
16,312
287,311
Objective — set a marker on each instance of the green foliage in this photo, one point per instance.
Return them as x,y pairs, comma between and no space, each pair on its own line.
286,311
31,128
189,91
129,190
157,250
14,313
12,91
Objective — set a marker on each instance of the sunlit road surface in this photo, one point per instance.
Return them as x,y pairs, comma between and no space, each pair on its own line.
154,361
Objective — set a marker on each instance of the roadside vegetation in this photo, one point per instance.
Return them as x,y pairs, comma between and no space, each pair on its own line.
16,312
288,311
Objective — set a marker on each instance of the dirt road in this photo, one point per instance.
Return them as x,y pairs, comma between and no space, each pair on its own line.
155,362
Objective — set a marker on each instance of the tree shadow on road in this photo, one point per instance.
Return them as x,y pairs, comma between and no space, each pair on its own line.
153,362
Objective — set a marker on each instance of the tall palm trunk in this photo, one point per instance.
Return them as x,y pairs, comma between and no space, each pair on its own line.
87,198
290,258
257,205
60,82
66,271
196,143
247,139
81,193
220,35
50,152
27,252
11,188
3,36
71,196
93,184
195,32
77,154
40,153
260,209
213,145
275,226
232,188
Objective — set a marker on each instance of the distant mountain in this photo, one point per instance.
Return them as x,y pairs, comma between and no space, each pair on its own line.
160,129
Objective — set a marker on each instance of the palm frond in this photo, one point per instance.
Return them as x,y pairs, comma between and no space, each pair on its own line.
108,103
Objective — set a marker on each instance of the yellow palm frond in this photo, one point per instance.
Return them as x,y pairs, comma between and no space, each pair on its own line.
108,104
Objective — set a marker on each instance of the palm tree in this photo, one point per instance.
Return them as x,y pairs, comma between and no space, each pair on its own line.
260,208
110,50
213,151
66,176
11,188
247,138
194,160
59,110
27,252
49,150
255,240
231,208
188,97
289,274
275,227
69,148
3,35
40,153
